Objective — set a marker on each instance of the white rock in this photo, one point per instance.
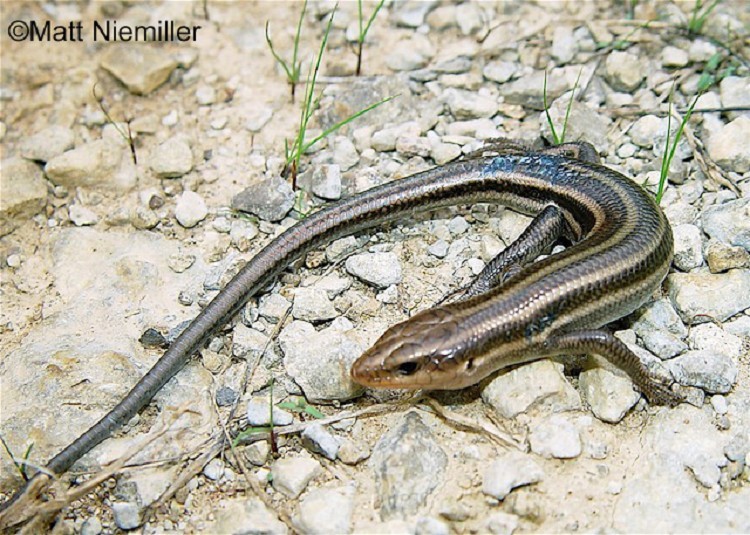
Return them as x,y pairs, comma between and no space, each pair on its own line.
312,304
671,56
535,384
173,158
191,209
141,68
326,510
82,216
47,143
728,146
688,247
379,269
513,469
24,192
609,396
291,475
205,95
624,71
555,437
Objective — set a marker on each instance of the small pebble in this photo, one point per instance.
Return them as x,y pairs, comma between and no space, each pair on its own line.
191,209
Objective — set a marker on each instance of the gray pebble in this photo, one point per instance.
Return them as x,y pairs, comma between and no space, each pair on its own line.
127,515
239,513
92,164
719,403
242,233
273,307
257,117
438,249
410,54
24,192
458,225
413,146
720,296
333,285
82,216
339,249
688,247
389,295
723,257
225,396
319,361
378,269
412,14
499,71
318,439
326,181
564,45
711,337
312,304
500,523
214,469
673,57
345,153
91,526
735,93
205,95
701,50
257,453
408,463
729,222
352,452
258,414
469,105
428,525
739,326
443,153
624,71
270,199
180,262
714,372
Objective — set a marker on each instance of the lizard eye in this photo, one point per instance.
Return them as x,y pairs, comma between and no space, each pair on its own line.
406,368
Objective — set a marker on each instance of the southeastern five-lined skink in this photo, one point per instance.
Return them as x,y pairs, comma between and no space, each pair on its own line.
517,310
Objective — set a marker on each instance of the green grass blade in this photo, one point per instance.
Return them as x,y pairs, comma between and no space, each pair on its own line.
555,139
570,105
669,151
297,66
346,121
250,431
278,58
362,34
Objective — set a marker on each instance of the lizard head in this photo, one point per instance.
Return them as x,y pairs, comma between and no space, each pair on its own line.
426,351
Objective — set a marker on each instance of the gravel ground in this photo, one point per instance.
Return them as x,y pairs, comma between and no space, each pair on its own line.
137,177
